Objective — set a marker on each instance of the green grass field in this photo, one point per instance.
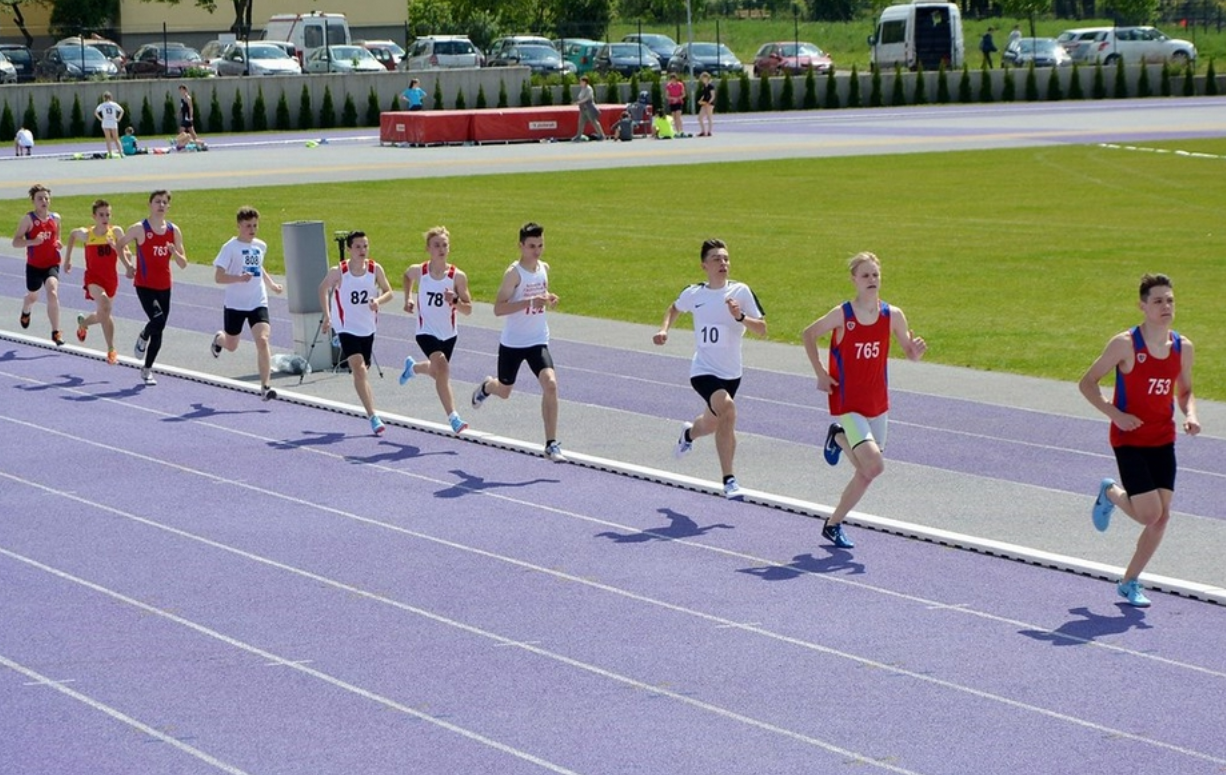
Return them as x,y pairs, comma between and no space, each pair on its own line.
1022,261
846,42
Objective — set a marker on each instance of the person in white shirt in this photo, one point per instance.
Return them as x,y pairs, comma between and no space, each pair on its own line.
239,266
109,113
23,142
722,310
523,297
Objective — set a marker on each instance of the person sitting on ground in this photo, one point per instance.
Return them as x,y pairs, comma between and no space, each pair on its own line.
129,143
662,128
624,128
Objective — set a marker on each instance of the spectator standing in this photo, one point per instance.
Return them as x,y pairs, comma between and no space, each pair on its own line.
414,97
706,105
589,114
987,47
109,113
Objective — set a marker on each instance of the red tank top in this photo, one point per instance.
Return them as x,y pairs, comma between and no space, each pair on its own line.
858,361
153,258
1148,393
47,254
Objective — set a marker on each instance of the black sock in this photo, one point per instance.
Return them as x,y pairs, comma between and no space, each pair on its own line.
688,437
728,478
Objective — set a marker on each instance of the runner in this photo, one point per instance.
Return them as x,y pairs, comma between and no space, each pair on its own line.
442,291
722,310
523,298
101,275
157,241
859,399
1153,371
352,292
38,232
240,267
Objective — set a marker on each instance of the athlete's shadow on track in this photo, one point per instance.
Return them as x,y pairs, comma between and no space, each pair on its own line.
679,526
470,484
838,560
127,392
397,452
200,412
69,383
312,439
1089,626
12,355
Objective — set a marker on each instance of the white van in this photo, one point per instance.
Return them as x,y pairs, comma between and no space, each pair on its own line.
919,33
308,31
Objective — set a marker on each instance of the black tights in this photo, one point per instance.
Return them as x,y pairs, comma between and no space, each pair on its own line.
157,307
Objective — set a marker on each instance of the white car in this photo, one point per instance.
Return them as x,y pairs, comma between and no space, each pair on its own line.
342,59
1134,45
256,59
8,73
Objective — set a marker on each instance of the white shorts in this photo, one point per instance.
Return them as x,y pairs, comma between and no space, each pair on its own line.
110,125
860,429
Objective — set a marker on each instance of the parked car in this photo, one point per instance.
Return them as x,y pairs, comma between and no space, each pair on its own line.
713,58
108,48
151,61
211,51
386,51
1132,44
74,63
8,73
579,53
541,60
791,57
627,59
438,52
342,59
257,58
1044,52
22,60
661,45
500,46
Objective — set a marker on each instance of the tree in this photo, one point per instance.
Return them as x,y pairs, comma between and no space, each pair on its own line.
1025,9
242,11
19,19
70,17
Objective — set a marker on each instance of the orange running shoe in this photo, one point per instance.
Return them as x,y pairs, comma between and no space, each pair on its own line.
112,357
82,331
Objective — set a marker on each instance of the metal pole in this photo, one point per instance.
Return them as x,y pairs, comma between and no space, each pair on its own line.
165,53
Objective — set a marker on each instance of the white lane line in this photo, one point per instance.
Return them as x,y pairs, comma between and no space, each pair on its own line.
271,657
51,682
119,716
663,604
438,618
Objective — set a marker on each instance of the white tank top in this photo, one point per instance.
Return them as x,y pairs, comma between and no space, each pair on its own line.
435,317
529,327
351,312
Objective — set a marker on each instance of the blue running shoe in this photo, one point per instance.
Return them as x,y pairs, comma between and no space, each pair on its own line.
377,425
832,450
553,451
732,490
407,374
1132,590
835,535
1103,507
458,426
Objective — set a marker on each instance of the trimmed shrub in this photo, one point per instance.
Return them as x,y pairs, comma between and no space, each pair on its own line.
1054,92
921,87
546,95
1164,81
372,108
723,95
306,116
29,119
898,95
8,124
460,102
765,98
55,120
985,85
281,120
1143,87
875,99
964,87
743,104
349,112
567,99
216,121
1032,84
787,94
1210,81
146,125
525,95
853,89
942,85
1121,80
1189,81
1099,90
438,95
76,119
170,120
126,121
809,101
657,94
502,95
1074,84
481,101
238,120
259,111
832,90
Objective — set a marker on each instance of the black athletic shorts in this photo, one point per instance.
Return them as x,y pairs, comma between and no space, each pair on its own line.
352,345
37,277
235,318
707,385
511,358
1145,469
432,344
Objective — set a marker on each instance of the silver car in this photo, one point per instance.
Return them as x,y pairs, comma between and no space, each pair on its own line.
255,59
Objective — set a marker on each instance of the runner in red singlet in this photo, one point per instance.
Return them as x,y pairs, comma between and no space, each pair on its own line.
101,272
1153,372
157,242
39,233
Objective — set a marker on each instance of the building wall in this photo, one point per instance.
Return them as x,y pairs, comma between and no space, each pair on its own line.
144,18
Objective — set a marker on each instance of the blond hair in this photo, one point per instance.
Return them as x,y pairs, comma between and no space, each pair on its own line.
860,258
437,231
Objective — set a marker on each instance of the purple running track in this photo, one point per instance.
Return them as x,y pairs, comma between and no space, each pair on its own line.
269,588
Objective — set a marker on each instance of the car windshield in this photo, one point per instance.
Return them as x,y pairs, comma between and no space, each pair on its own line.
264,52
658,41
631,51
711,51
806,50
77,54
182,55
1042,46
538,54
350,52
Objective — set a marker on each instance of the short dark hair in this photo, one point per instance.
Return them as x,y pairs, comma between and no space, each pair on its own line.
709,245
158,192
531,229
351,236
247,213
1151,281
34,189
99,204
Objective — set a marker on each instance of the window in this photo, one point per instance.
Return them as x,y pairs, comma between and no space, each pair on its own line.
893,32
